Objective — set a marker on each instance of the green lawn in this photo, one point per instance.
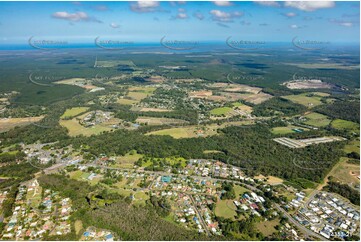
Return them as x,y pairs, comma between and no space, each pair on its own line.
73,112
223,209
239,190
305,99
221,111
317,119
353,145
267,227
344,124
237,104
285,130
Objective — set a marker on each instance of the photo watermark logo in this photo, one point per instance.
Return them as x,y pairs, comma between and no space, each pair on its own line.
173,44
44,78
306,44
244,44
47,44
112,44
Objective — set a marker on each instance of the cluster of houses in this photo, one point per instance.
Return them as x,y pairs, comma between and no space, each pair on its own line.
202,203
187,213
213,168
96,234
45,153
326,214
250,202
298,201
96,117
34,214
185,184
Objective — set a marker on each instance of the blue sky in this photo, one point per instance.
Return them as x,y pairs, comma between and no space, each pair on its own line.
81,22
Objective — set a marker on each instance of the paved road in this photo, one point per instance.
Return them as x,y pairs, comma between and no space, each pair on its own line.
204,225
304,230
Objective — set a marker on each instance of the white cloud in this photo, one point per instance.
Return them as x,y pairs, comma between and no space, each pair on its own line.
74,17
290,14
294,26
346,24
114,25
218,15
310,6
223,3
268,3
182,16
144,6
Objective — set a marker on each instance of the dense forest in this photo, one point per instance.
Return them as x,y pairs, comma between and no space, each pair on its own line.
278,106
348,110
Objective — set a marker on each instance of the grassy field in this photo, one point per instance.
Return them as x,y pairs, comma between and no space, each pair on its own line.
353,145
195,131
344,124
147,90
136,94
34,196
267,227
125,101
317,120
9,123
239,190
286,130
73,112
177,133
345,173
221,111
159,121
75,128
78,226
225,208
170,160
307,99
127,161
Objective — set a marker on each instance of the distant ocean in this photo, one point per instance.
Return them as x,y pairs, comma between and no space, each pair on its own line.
158,47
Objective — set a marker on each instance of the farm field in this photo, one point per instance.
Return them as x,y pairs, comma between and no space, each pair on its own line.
286,130
195,131
154,110
75,128
317,119
221,111
10,123
159,121
353,145
73,112
344,124
136,94
125,101
306,99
